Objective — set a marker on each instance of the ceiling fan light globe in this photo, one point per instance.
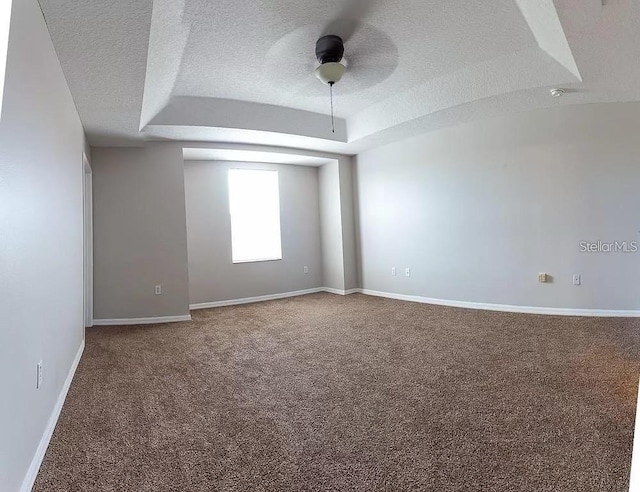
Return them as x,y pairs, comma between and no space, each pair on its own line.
330,72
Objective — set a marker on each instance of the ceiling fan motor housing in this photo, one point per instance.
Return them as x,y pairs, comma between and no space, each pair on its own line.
329,49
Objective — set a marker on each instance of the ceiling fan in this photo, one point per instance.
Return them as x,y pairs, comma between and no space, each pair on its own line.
329,52
350,51
330,46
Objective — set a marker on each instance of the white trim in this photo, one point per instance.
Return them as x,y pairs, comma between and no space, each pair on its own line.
427,300
340,292
141,321
248,300
605,313
32,472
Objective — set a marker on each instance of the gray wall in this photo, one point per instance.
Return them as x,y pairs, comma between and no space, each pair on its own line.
337,222
141,239
347,213
140,235
478,210
41,245
212,275
331,226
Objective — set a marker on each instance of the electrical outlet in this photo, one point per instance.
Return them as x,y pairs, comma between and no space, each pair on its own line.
577,279
39,374
305,269
158,290
544,278
407,272
393,271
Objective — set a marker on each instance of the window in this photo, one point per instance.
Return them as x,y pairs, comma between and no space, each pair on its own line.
254,205
5,21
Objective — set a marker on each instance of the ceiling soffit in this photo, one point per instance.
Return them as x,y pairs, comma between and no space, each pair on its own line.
242,71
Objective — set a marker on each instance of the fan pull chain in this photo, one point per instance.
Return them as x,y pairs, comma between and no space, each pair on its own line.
333,128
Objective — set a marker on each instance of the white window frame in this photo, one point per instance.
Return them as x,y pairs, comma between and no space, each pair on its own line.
256,259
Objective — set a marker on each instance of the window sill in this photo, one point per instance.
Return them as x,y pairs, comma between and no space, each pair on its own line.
236,262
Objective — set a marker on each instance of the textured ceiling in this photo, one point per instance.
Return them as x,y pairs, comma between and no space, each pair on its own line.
102,46
398,46
242,71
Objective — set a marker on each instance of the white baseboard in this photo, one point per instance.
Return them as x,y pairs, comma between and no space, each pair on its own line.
249,300
604,313
340,292
32,473
271,297
141,321
430,300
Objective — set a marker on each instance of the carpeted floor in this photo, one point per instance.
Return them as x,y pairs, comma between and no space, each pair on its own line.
324,392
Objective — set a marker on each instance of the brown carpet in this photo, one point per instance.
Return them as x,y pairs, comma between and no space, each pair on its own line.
325,392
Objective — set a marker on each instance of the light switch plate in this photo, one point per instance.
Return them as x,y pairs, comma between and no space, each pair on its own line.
39,375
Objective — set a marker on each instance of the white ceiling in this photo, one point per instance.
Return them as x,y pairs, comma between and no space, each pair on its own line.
399,46
242,71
